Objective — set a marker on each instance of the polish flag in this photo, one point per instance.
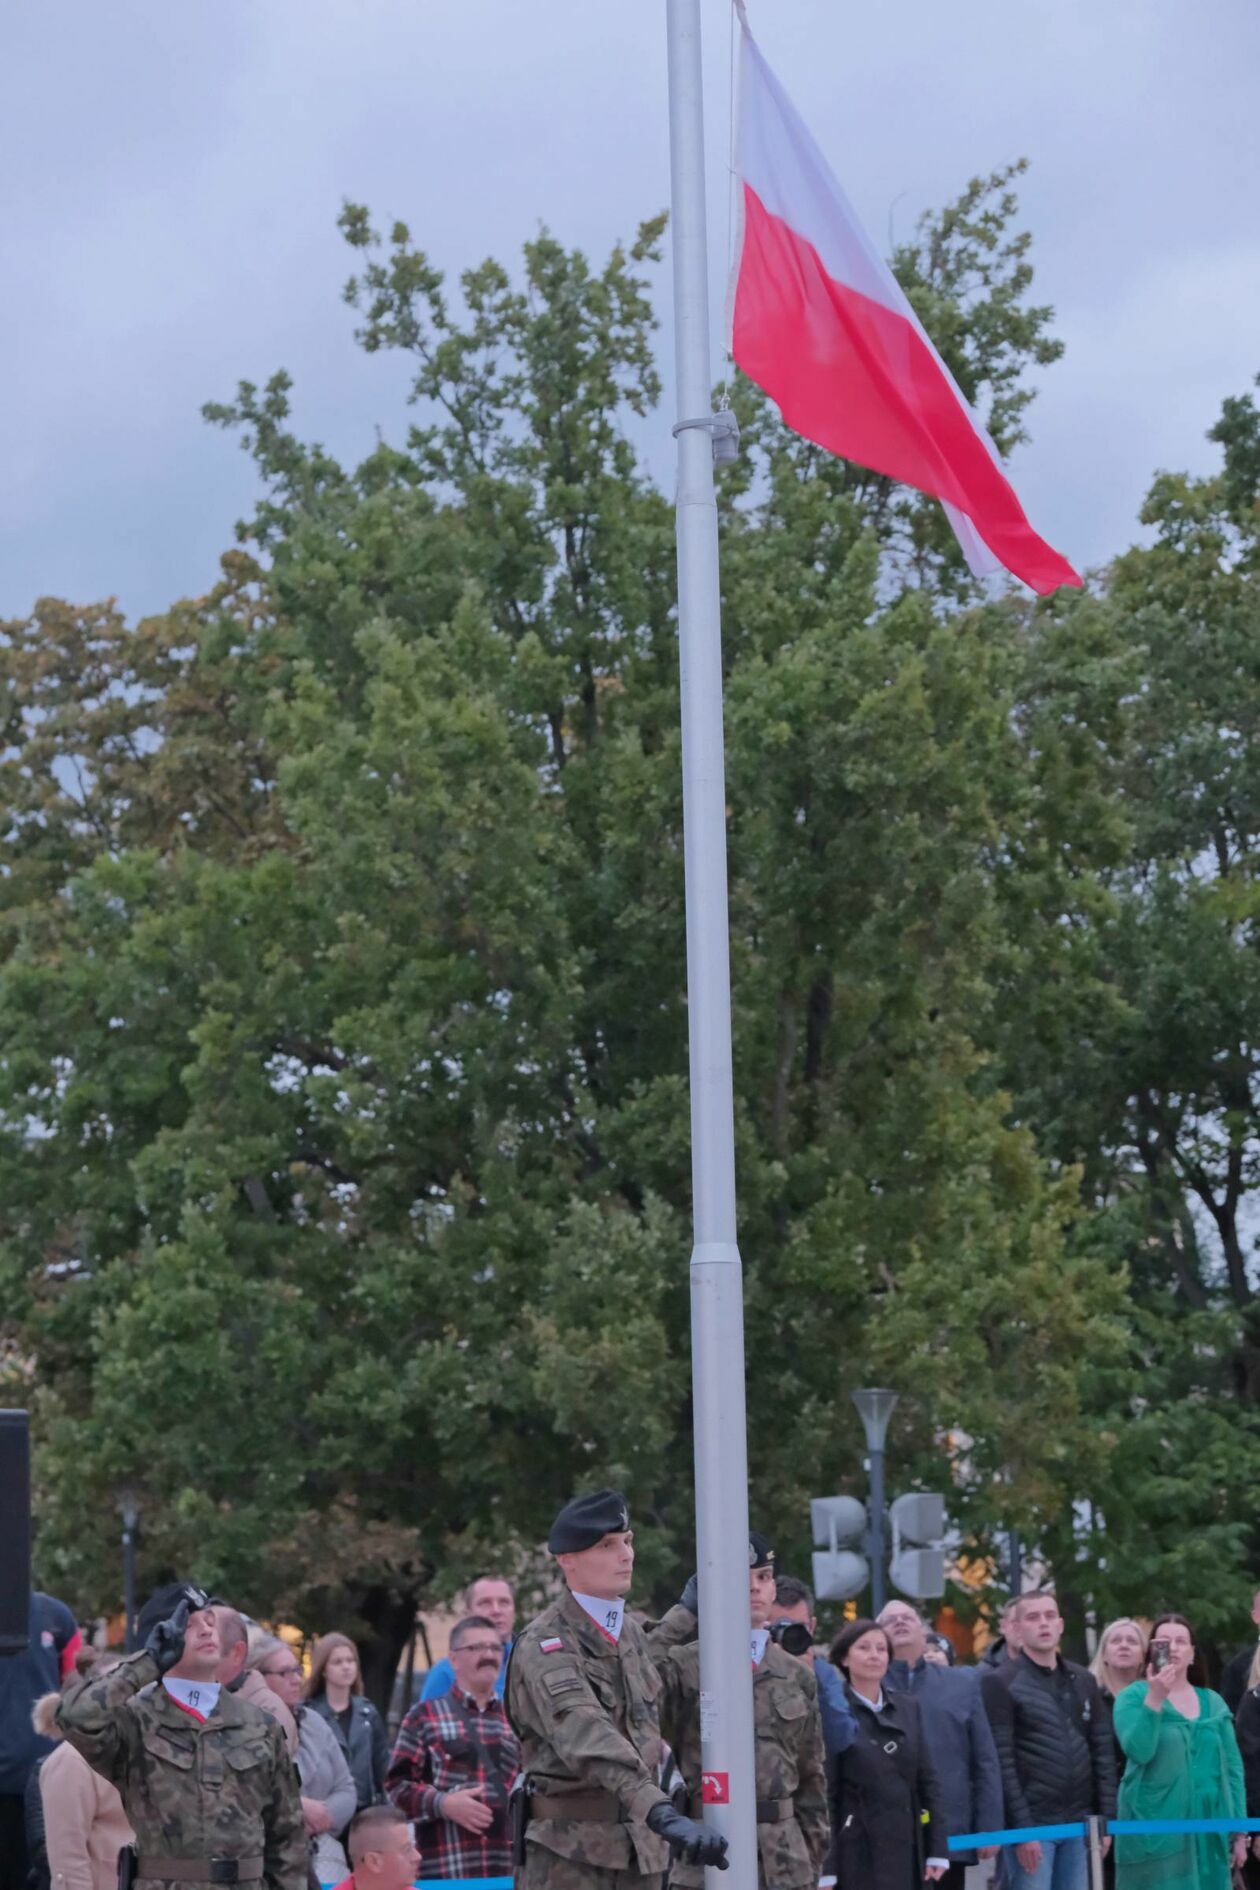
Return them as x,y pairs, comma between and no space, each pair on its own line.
820,322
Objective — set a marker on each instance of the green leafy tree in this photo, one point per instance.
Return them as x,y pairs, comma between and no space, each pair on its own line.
343,1121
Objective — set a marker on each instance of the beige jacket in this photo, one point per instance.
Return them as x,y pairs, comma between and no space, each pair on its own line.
254,1688
85,1825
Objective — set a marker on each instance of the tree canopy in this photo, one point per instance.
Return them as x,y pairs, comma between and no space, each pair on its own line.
343,1117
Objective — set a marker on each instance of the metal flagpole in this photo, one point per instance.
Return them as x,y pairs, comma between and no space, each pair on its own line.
717,1300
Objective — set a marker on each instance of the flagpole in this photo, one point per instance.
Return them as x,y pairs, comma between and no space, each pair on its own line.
717,1298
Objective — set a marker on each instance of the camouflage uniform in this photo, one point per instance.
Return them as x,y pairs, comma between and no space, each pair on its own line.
585,1711
793,1825
192,1791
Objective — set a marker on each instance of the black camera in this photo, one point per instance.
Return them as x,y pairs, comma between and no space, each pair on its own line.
792,1636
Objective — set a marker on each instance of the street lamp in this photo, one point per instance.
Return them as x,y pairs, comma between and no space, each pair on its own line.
875,1407
129,1504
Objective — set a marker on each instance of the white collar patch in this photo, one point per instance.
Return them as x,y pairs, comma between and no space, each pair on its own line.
608,1616
199,1696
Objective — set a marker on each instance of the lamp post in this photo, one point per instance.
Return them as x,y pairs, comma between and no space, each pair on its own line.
875,1407
130,1508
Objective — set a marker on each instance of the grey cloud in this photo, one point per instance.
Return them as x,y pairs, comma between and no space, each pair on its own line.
173,174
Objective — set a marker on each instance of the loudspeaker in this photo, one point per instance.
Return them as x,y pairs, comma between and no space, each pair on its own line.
15,1531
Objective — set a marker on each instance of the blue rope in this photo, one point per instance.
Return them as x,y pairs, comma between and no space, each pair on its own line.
1115,1827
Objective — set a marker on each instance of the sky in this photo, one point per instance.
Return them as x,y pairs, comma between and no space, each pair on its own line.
172,172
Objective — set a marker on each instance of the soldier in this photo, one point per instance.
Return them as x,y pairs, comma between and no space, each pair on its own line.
581,1694
204,1777
792,1819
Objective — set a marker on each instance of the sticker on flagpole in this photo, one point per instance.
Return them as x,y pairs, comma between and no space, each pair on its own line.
715,1788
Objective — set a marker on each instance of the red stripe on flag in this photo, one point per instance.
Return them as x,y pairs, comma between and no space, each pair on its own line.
858,379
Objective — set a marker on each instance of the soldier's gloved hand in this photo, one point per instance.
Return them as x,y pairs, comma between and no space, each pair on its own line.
689,1840
690,1596
166,1641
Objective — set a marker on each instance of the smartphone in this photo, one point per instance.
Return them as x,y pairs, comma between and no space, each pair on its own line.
1159,1655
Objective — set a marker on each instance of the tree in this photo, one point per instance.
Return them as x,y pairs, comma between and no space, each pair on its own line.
1129,1039
344,1131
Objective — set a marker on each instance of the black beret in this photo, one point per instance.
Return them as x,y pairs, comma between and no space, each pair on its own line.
760,1554
162,1604
587,1520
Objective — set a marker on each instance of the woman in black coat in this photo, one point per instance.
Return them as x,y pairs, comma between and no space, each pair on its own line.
887,1827
1247,1727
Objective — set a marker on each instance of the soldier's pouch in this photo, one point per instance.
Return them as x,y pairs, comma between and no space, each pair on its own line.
244,1757
518,1818
167,1751
791,1705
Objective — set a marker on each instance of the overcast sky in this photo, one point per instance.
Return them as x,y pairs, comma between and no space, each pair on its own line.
172,170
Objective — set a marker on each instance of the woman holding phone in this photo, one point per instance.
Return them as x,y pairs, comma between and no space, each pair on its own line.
1182,1762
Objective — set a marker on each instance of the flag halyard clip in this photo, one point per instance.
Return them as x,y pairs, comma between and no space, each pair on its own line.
723,429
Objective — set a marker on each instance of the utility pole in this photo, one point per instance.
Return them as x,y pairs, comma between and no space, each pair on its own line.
875,1408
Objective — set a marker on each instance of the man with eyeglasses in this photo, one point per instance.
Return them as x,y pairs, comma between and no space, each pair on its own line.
456,1761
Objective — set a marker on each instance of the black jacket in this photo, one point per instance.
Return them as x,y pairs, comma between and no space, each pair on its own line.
1247,1726
1234,1679
1053,1737
880,1787
367,1748
956,1727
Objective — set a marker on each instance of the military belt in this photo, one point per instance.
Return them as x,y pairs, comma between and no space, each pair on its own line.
769,1810
591,1807
201,1869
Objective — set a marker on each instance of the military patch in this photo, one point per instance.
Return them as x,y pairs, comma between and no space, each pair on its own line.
552,1645
561,1680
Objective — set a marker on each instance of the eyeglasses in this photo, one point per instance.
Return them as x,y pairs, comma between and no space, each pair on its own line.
282,1673
479,1647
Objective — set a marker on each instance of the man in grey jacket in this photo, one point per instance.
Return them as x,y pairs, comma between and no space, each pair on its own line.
956,1727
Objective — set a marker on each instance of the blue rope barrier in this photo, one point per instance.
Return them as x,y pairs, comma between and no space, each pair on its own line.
449,1883
1114,1827
1159,1827
977,1840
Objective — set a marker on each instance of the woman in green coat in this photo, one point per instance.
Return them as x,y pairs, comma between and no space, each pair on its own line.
1182,1762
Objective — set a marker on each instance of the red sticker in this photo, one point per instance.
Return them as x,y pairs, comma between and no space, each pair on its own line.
715,1788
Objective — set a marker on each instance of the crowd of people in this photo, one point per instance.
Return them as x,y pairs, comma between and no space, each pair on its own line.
886,1749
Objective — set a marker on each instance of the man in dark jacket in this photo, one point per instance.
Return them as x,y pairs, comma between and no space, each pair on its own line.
1234,1678
1005,1644
1053,1739
956,1728
53,1642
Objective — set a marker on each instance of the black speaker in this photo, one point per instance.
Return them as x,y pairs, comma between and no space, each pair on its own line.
15,1531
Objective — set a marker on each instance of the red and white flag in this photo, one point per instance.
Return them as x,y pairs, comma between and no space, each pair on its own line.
820,322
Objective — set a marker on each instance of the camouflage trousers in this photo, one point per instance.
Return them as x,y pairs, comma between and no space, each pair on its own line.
543,1870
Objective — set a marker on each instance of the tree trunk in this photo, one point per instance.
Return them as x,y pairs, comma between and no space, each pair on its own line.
391,1618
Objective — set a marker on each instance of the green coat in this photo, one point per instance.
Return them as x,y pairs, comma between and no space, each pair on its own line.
1177,1768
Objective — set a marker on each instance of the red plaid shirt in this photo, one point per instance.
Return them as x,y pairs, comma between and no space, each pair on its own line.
446,1745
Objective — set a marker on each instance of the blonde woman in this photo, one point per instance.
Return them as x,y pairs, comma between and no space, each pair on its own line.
335,1691
1121,1656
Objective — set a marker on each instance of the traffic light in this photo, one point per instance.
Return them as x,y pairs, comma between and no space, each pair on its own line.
917,1567
838,1573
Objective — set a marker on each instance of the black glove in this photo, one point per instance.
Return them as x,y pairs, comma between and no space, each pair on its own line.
694,1843
166,1642
690,1596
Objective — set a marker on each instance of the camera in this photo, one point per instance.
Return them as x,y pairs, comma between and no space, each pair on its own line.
792,1636
1159,1655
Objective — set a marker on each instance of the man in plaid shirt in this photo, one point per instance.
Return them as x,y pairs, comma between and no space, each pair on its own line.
456,1761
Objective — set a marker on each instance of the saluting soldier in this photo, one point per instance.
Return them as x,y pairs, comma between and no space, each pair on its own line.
793,1824
582,1694
204,1777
